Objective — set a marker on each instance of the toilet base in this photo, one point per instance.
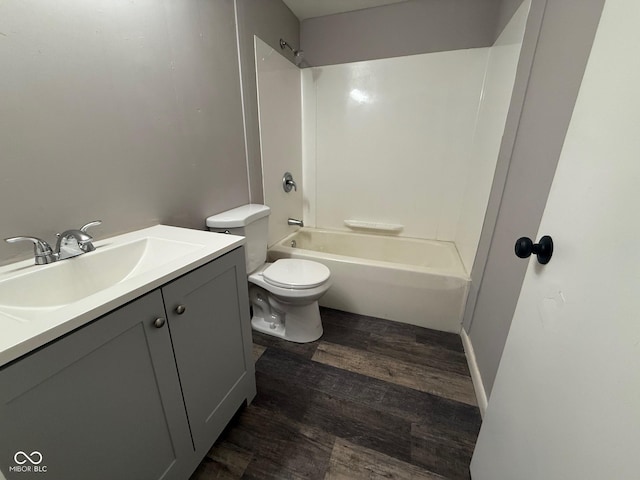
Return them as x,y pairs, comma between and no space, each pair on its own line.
263,326
295,323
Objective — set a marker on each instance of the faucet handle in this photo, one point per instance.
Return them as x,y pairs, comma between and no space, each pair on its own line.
288,183
39,246
87,246
87,226
41,249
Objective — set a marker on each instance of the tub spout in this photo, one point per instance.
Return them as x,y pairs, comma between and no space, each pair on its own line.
293,221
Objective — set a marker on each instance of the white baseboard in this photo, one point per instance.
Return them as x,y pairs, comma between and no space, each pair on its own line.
481,395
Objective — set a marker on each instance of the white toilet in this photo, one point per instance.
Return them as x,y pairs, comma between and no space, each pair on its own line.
284,295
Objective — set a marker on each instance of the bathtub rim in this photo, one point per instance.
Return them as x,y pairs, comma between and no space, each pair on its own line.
348,259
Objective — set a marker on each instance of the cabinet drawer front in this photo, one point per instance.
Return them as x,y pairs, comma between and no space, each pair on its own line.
206,310
101,403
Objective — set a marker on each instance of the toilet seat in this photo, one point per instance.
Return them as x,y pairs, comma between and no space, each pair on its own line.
296,274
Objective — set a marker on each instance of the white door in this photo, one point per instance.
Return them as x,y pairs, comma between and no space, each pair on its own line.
566,401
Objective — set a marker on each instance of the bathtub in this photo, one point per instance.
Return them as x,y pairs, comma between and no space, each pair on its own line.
420,282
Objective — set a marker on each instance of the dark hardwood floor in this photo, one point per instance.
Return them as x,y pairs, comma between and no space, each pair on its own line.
372,399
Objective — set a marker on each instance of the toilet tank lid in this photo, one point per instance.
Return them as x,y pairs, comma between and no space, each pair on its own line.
238,217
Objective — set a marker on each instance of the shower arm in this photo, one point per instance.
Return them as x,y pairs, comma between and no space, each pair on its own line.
284,44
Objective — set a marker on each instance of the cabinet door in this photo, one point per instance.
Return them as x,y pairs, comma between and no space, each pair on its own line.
212,343
103,402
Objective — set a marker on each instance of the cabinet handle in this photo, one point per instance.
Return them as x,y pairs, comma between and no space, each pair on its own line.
180,309
159,322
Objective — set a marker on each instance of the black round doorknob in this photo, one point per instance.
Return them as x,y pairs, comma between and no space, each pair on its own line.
524,247
543,249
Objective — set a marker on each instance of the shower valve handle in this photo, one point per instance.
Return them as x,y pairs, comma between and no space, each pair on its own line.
288,183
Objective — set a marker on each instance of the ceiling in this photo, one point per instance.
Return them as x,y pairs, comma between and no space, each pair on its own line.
317,8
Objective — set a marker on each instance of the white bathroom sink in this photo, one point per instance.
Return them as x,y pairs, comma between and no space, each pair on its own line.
38,303
71,280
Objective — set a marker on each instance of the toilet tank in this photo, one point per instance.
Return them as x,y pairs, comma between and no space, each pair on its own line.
252,222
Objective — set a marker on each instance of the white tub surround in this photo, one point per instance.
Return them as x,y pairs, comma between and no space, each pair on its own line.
413,281
409,140
392,140
492,116
280,114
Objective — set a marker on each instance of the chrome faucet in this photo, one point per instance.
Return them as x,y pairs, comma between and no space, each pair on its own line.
293,221
71,243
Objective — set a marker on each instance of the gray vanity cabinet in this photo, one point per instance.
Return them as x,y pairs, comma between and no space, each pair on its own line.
209,320
103,402
140,393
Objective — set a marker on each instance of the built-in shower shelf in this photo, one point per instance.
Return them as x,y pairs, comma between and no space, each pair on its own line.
374,226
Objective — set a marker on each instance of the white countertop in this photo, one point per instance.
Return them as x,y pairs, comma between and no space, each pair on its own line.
39,303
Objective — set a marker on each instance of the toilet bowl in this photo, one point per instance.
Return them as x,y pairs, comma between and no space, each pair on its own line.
284,294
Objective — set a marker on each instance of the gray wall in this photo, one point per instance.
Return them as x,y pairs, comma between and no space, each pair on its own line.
408,28
270,20
505,12
128,112
529,163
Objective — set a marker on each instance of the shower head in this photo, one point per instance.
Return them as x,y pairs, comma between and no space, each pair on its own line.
298,55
